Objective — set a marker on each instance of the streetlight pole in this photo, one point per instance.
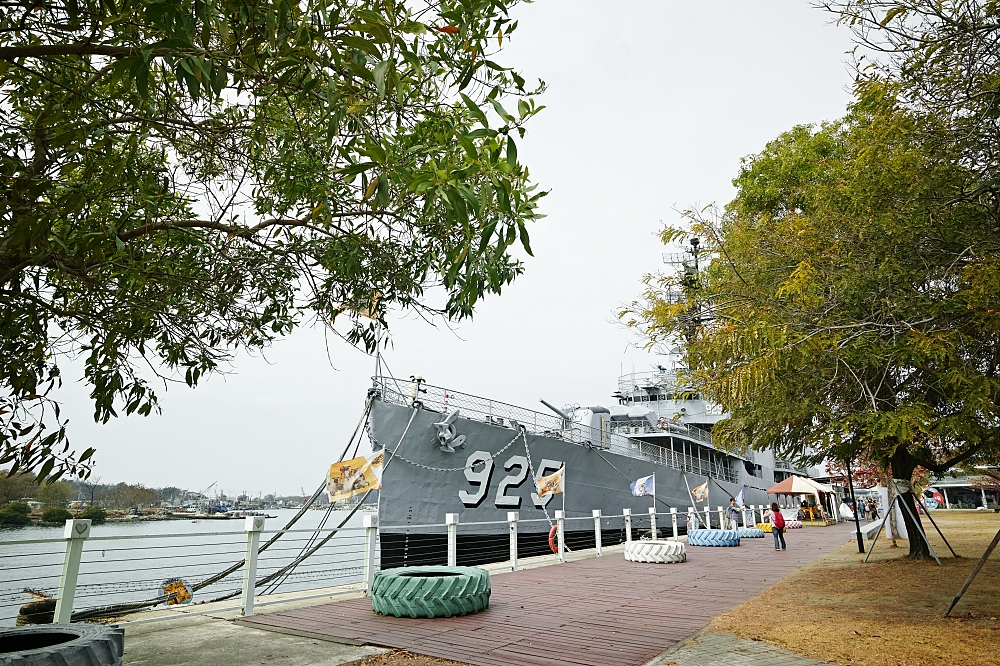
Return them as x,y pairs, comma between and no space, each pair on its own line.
857,521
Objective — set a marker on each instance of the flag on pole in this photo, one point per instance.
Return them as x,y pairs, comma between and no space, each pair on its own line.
353,477
551,484
644,486
739,499
700,492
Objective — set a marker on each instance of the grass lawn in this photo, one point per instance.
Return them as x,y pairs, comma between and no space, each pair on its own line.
888,611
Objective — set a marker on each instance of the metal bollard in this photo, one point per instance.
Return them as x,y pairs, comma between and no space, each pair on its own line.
370,523
253,526
75,533
597,530
512,519
561,529
652,523
451,520
627,514
673,520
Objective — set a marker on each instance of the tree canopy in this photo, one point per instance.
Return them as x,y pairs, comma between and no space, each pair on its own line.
849,307
187,178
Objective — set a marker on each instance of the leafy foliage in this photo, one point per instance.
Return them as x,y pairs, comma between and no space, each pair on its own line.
185,178
96,514
14,514
57,493
56,514
852,313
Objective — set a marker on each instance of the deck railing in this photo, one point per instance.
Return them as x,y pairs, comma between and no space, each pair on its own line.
505,415
92,576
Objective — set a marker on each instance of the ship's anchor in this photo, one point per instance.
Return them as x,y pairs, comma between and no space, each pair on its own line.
447,434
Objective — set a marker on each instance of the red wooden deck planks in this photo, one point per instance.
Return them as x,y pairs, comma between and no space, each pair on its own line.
585,613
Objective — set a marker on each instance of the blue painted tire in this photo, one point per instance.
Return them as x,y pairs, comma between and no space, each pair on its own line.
751,533
713,538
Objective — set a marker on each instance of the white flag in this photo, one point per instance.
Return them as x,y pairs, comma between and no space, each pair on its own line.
644,486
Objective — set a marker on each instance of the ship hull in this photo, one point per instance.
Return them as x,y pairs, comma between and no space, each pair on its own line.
421,483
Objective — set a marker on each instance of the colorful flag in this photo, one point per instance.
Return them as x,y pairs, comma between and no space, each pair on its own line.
644,486
700,492
739,499
353,477
551,484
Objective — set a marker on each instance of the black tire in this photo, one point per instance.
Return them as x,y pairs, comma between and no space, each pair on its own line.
430,591
62,645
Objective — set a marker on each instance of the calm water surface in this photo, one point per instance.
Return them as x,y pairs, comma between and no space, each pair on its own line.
129,561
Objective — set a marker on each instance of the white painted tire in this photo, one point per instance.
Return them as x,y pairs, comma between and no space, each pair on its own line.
714,538
659,552
751,533
793,524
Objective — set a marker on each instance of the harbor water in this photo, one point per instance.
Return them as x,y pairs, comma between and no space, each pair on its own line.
129,561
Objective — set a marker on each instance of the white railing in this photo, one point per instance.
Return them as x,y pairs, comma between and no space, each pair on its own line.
93,576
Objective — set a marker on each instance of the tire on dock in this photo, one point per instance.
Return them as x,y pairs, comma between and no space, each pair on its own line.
62,645
751,533
714,538
430,591
793,524
764,526
660,552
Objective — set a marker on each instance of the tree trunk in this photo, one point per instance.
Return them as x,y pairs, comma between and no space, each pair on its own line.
903,464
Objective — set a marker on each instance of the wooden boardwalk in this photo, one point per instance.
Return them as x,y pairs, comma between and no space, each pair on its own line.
593,612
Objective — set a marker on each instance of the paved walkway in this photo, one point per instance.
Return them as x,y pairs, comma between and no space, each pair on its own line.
589,612
720,649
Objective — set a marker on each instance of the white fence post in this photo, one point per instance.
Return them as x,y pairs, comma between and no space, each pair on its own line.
451,520
627,514
652,523
708,517
597,530
673,520
512,519
722,518
253,526
561,529
76,532
370,523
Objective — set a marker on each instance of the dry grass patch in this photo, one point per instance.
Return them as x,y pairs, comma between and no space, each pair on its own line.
403,658
888,611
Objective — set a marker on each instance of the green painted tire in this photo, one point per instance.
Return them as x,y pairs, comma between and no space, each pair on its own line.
430,591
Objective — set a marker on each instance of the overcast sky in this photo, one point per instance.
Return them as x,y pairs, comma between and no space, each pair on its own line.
650,106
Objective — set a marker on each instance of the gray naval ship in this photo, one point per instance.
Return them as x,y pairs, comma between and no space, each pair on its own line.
450,452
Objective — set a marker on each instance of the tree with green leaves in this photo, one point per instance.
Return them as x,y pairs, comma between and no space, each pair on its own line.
850,313
939,59
187,178
57,493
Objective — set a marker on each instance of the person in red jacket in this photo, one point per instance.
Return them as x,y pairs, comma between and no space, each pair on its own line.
777,521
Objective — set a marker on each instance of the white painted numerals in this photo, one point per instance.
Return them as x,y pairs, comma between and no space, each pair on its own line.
545,468
477,477
503,500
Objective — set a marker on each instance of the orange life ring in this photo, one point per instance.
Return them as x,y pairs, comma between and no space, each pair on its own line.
552,539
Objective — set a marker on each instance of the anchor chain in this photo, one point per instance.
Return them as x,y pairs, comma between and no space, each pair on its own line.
448,469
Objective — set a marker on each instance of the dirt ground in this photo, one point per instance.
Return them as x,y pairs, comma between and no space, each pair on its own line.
402,658
888,611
